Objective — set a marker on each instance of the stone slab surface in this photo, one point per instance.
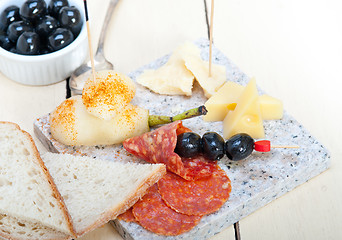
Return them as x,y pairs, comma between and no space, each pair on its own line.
256,181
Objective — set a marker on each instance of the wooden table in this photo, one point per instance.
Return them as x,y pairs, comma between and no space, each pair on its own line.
293,48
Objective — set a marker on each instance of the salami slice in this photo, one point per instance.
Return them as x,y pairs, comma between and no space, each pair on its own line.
199,197
158,147
154,215
127,216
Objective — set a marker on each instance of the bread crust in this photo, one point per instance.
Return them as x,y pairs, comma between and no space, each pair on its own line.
55,191
129,202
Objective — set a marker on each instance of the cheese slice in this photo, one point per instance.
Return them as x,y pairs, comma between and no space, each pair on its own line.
222,101
271,108
172,78
246,117
184,50
177,75
200,69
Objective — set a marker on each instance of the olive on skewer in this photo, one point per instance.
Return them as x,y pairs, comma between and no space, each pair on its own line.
189,144
213,147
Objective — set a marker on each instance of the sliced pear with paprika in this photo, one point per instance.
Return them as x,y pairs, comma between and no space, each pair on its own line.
246,117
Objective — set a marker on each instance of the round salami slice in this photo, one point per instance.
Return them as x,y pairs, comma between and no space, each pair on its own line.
199,197
154,215
127,216
196,168
158,147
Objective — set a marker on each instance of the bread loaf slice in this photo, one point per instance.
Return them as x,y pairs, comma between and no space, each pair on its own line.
27,191
12,228
96,191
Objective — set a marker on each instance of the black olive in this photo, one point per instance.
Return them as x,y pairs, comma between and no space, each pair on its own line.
55,6
17,28
239,146
46,26
70,17
188,144
28,43
13,50
43,51
213,146
8,16
5,43
32,10
59,39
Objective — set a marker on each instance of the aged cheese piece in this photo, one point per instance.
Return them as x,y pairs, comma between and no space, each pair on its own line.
222,101
200,69
271,108
177,75
172,78
246,117
71,124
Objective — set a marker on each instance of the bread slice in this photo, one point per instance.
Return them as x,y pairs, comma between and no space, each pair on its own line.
12,228
27,191
96,191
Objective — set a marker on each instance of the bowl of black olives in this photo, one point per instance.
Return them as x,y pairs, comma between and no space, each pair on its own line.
41,41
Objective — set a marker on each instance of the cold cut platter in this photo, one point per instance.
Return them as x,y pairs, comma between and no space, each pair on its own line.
254,181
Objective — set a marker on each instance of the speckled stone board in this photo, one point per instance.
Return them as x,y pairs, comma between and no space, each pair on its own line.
256,181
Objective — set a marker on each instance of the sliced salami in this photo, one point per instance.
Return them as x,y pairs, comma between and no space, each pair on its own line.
127,216
158,147
154,215
199,197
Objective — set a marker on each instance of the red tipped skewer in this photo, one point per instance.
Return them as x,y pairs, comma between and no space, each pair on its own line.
265,146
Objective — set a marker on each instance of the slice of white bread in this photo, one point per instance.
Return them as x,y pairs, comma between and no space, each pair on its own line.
96,191
12,228
27,191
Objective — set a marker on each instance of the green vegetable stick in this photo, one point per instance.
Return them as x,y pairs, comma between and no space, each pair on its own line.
154,120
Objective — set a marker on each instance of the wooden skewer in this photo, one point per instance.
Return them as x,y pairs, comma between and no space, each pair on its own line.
89,40
211,36
285,146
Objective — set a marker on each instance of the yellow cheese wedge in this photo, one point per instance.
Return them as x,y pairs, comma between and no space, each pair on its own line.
222,101
225,99
246,117
271,108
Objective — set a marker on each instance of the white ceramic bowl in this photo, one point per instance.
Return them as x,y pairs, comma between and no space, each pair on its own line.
49,68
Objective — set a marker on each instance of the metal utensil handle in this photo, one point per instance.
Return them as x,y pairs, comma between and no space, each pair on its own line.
103,33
